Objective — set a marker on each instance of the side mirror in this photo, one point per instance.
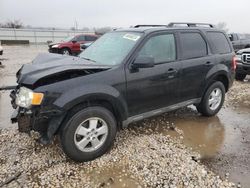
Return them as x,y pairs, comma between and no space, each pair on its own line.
143,62
74,41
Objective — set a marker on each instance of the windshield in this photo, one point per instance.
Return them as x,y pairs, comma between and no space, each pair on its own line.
68,39
111,48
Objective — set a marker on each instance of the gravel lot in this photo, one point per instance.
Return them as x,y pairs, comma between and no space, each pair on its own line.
177,149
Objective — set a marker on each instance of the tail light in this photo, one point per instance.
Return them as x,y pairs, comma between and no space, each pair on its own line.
234,64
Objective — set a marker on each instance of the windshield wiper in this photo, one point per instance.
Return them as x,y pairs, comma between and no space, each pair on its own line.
89,59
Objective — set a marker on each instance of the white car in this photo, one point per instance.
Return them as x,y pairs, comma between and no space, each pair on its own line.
1,50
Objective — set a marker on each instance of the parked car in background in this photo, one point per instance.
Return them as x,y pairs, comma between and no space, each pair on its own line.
239,41
1,50
125,76
72,45
243,64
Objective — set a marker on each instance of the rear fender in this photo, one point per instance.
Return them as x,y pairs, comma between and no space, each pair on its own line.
217,71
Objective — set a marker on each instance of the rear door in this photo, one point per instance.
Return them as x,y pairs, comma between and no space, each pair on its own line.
195,63
156,87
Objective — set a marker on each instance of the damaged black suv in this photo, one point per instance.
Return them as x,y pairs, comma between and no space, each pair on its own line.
125,76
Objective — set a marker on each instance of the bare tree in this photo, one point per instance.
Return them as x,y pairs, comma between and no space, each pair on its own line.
13,24
102,30
85,29
222,26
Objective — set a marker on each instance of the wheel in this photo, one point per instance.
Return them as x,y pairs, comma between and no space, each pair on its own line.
240,77
65,51
88,134
212,100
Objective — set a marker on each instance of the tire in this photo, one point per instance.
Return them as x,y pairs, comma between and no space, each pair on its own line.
79,139
240,77
65,51
215,93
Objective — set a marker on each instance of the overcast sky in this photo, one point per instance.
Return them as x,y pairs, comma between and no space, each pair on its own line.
124,13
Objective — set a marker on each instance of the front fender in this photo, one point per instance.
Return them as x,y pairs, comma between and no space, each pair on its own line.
85,93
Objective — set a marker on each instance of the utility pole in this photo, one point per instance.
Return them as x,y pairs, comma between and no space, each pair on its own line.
76,25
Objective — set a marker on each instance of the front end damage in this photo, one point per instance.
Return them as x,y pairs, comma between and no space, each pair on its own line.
46,70
42,120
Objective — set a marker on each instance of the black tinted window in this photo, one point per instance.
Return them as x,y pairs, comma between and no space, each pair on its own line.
90,38
193,45
160,47
219,42
80,38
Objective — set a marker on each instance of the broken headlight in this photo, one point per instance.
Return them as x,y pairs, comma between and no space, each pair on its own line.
26,98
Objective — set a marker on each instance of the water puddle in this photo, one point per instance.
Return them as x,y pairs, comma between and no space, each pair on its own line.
223,141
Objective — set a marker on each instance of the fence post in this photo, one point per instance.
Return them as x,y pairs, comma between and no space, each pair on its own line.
35,37
15,33
53,36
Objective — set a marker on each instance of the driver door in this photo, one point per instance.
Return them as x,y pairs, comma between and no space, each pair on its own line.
158,86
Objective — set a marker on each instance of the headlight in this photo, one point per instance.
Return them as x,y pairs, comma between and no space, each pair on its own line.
26,98
55,46
238,57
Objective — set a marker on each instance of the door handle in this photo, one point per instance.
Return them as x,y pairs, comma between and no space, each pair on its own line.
171,71
208,63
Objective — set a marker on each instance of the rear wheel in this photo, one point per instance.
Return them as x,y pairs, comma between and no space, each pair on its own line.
213,99
89,134
240,77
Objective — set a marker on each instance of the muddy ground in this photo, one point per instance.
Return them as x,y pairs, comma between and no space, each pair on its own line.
222,141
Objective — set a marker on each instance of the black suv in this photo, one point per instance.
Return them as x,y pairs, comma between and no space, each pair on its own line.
243,64
125,76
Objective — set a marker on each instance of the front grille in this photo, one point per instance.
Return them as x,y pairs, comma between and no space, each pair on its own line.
246,58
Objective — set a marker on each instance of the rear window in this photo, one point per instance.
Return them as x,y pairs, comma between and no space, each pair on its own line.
90,38
219,42
193,45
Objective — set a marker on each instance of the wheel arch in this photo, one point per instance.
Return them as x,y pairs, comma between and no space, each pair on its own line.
221,76
65,47
107,97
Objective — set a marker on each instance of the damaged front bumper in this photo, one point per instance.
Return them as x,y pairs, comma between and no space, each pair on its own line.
42,120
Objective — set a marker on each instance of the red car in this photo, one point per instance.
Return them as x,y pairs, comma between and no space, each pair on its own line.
72,45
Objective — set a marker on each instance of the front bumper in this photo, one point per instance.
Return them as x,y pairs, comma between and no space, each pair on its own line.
243,68
54,50
45,120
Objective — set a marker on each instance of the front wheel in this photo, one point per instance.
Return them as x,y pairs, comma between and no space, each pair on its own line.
65,51
212,100
89,134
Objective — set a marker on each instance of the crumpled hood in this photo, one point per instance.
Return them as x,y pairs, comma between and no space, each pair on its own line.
48,64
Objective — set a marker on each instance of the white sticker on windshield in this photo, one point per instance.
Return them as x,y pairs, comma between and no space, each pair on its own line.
130,36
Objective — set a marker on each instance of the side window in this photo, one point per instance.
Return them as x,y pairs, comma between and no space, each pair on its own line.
193,45
219,42
160,47
90,38
80,38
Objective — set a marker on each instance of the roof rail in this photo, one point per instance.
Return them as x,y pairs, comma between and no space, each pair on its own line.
136,26
172,24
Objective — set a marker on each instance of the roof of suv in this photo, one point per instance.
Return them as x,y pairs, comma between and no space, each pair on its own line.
171,26
152,29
